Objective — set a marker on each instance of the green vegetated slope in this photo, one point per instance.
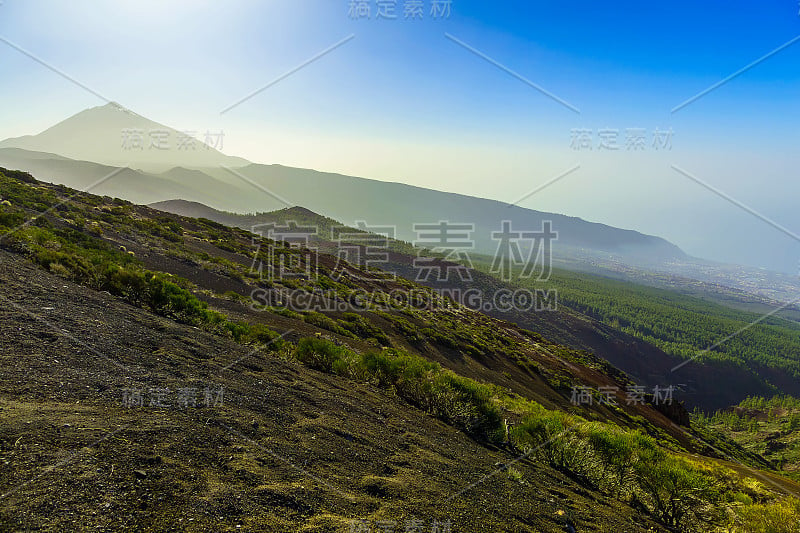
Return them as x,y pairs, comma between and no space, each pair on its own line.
680,324
769,427
325,228
686,326
675,323
505,388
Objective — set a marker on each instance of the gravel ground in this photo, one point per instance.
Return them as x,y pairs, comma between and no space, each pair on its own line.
114,419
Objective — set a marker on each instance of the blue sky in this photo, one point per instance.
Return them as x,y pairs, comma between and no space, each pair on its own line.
403,102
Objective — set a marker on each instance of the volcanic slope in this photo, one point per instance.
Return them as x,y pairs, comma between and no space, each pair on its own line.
142,391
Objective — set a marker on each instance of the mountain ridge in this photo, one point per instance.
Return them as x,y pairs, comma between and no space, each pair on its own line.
228,184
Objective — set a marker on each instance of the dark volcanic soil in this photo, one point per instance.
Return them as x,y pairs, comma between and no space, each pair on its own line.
267,446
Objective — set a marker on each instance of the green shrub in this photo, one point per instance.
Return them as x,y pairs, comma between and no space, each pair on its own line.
467,405
319,353
363,329
774,517
288,313
18,175
261,334
324,322
11,219
673,491
514,474
552,436
60,270
616,452
459,401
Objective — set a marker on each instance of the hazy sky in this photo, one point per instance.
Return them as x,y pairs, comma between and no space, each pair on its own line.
406,100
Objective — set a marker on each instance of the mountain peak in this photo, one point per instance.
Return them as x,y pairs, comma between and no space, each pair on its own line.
112,134
110,107
117,106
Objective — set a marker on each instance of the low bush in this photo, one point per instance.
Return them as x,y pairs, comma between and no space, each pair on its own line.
320,354
774,517
363,329
324,322
459,401
626,464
